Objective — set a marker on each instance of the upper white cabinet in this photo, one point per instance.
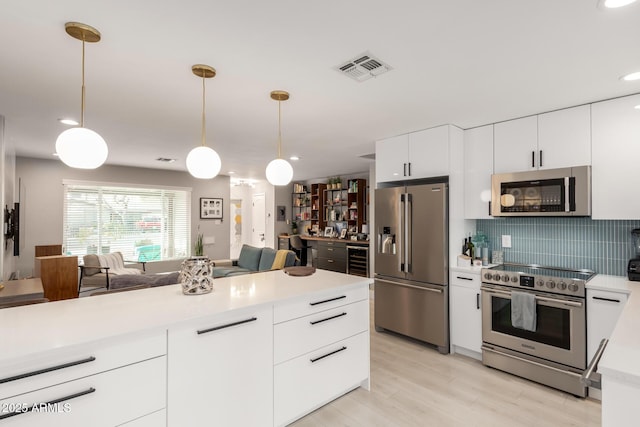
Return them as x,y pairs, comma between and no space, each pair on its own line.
515,143
564,138
616,149
478,167
416,155
547,141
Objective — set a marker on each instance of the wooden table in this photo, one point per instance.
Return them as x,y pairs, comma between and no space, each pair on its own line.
21,290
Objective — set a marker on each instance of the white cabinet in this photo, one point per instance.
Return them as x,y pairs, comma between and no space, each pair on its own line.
603,310
466,313
392,156
221,370
125,381
321,348
515,144
551,140
422,154
478,167
564,138
616,150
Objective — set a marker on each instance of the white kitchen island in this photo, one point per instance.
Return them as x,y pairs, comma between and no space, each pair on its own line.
620,363
261,349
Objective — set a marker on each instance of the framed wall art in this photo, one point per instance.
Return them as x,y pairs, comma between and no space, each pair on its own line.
210,208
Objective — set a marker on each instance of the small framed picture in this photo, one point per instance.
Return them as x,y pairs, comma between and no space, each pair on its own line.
210,208
343,233
328,231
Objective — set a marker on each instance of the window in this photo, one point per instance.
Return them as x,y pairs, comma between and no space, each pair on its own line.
144,223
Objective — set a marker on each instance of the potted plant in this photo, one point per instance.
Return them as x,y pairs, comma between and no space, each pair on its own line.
199,247
294,227
338,183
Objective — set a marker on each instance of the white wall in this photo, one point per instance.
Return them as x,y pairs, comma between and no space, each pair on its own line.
283,198
269,210
42,203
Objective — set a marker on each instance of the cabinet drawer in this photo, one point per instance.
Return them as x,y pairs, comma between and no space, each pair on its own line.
338,252
321,301
299,336
106,399
332,264
312,380
468,280
70,363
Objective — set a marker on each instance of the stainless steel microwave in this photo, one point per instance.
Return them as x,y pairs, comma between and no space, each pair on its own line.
549,192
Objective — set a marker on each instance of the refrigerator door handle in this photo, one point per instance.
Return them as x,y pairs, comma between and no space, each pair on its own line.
408,232
401,232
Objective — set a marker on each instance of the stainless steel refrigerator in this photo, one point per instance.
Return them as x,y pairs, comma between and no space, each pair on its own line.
412,271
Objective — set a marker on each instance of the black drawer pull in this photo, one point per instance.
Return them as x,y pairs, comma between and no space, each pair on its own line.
228,325
328,354
45,370
478,301
51,402
327,300
315,322
463,278
607,299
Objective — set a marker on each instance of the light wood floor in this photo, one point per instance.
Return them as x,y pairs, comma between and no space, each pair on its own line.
413,385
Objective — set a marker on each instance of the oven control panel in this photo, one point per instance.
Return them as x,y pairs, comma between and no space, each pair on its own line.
556,285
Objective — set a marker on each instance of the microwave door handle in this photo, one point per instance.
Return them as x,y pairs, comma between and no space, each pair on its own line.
567,194
408,232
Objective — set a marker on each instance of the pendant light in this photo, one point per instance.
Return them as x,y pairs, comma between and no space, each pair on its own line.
81,147
203,162
279,171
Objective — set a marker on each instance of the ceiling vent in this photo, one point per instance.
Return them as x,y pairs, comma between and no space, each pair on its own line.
363,67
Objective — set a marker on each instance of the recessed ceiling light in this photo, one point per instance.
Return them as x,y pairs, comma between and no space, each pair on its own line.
231,172
55,154
613,4
631,77
69,122
294,158
637,107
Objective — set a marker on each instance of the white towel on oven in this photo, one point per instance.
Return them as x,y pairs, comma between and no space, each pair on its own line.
523,310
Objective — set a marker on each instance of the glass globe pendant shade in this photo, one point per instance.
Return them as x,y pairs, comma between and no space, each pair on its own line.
203,162
279,172
81,148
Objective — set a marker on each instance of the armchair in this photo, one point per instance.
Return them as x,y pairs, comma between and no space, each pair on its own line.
96,269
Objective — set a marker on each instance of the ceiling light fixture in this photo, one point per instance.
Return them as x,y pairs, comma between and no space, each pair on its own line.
279,171
631,77
613,4
203,162
294,158
80,147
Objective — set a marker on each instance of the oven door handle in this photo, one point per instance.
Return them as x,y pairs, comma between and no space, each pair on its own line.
590,378
538,297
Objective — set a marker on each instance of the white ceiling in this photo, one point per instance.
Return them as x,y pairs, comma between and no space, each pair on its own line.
464,62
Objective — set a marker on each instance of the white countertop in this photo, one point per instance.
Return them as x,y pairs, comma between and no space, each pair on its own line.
621,358
33,329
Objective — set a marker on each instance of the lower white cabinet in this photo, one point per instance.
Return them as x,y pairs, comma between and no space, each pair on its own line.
106,399
315,378
466,313
603,310
221,370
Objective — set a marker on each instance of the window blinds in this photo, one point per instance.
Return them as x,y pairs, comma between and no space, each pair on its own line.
145,224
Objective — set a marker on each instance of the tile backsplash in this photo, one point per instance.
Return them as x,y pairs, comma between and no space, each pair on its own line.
602,246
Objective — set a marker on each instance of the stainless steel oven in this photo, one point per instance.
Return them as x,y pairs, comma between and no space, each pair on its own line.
554,352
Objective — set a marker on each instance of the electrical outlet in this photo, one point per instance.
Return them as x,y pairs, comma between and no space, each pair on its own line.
209,240
506,240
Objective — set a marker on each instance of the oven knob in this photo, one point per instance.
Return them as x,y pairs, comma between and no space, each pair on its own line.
514,279
540,282
551,284
505,278
562,286
496,276
573,287
488,276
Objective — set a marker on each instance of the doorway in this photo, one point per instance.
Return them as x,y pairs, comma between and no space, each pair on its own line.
258,220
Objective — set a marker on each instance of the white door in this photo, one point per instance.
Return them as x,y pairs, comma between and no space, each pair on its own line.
392,156
515,143
429,153
259,220
564,138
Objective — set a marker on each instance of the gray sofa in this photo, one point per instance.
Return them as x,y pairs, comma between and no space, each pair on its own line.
251,260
